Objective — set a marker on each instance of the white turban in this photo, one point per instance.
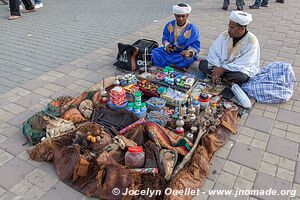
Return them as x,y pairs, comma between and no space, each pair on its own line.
241,17
182,10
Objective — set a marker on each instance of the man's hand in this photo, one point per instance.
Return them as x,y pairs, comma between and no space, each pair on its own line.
217,72
187,53
169,48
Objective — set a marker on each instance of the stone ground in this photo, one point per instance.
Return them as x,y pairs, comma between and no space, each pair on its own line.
56,52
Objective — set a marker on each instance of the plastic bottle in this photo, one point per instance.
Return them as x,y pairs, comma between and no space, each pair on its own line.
241,96
213,107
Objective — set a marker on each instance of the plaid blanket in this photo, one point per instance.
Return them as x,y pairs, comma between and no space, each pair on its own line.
274,84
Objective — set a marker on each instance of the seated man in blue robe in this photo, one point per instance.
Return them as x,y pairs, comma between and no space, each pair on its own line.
181,40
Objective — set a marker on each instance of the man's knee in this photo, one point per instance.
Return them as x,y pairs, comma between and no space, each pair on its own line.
203,66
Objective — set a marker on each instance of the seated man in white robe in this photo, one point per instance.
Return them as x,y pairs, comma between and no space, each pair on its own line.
181,40
235,55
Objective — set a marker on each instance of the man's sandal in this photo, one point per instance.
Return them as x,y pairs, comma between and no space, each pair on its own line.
28,11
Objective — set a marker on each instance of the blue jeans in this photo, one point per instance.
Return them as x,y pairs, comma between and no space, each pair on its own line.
261,2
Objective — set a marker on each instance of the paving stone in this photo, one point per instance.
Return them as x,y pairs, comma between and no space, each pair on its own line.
45,92
264,182
215,168
293,137
24,155
259,123
278,133
94,77
244,139
248,131
30,100
258,144
2,138
287,148
231,167
48,168
297,173
296,187
222,153
4,115
280,125
34,194
62,191
267,168
221,187
36,176
293,128
242,153
14,108
285,174
247,173
243,184
288,116
10,176
47,182
226,179
5,157
52,87
34,84
22,117
7,196
270,115
48,78
208,185
8,130
55,74
264,137
2,191
287,164
16,91
66,91
271,158
66,80
21,188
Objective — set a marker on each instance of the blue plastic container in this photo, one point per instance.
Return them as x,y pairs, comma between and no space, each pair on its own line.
115,107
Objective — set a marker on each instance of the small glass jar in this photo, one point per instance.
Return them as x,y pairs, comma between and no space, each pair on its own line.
135,157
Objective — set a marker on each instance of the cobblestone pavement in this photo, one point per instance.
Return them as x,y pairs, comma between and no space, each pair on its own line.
65,30
264,154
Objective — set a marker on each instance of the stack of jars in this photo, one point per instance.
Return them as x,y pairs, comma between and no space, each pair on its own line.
118,96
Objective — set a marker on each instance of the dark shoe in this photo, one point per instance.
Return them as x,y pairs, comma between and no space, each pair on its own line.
264,5
224,8
279,1
239,8
254,7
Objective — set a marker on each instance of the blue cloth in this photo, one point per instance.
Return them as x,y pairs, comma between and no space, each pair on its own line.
189,39
274,84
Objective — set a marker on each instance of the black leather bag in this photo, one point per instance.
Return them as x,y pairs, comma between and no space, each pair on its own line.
132,57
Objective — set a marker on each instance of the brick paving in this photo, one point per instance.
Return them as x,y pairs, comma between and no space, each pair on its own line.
62,57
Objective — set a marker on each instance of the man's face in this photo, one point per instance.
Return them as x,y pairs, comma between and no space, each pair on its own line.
234,30
181,19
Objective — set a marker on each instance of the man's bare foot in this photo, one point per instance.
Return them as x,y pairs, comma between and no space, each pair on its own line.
13,17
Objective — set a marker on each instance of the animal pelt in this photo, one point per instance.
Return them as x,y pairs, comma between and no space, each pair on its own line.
112,175
152,183
45,150
192,176
65,161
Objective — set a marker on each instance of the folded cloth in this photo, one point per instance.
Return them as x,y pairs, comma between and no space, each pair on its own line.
274,84
168,139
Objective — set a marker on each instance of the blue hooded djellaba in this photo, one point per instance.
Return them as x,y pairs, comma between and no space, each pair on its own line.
187,39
